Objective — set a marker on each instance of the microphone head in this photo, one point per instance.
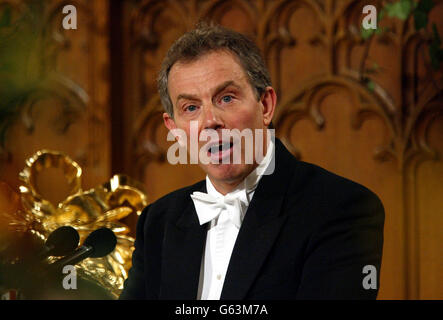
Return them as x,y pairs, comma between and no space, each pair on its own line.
102,240
62,241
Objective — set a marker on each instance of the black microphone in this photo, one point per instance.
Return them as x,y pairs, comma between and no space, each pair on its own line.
99,243
60,242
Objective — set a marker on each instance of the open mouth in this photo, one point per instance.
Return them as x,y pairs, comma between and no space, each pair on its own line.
220,150
220,147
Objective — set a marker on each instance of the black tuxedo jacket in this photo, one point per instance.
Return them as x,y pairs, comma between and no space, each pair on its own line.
307,234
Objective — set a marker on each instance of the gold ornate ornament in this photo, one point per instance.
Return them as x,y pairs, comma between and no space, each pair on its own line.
86,211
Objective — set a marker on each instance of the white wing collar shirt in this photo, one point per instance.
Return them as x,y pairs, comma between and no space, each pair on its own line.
225,214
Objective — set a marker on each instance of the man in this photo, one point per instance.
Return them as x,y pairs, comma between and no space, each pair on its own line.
249,231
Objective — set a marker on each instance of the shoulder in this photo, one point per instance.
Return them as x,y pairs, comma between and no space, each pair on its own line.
170,206
176,198
330,184
316,183
325,192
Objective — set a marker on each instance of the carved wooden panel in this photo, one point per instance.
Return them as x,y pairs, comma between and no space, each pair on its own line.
390,138
68,110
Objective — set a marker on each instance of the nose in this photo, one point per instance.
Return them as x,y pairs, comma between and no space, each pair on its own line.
212,118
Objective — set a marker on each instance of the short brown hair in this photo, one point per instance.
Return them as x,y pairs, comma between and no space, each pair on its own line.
204,39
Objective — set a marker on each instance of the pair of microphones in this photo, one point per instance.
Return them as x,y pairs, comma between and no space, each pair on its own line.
64,242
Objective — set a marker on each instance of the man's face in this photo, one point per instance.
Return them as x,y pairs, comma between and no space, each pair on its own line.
214,91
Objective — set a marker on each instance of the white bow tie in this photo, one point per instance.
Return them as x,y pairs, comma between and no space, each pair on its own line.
209,207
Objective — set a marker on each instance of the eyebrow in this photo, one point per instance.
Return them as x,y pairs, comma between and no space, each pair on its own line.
224,85
217,90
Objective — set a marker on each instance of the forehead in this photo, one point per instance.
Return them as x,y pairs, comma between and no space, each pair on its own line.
205,73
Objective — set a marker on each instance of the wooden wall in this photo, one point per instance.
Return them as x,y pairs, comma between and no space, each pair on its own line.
389,138
70,111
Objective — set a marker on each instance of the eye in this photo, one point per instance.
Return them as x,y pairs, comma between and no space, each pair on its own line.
226,99
191,108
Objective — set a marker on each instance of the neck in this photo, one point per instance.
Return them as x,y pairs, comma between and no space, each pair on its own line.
224,187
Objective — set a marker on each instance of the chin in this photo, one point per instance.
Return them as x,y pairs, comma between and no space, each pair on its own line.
227,172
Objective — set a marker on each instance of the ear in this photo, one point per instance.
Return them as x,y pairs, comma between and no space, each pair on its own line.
269,101
169,121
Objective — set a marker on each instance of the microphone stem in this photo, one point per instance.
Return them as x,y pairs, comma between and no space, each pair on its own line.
78,255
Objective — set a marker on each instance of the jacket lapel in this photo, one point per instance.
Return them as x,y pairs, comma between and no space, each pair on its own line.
260,228
182,254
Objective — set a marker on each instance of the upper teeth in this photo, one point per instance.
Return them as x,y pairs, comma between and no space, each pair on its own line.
217,147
